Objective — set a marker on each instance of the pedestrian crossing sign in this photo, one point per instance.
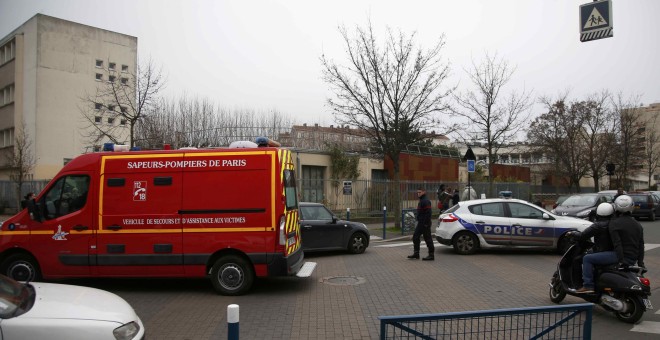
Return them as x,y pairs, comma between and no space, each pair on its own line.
596,20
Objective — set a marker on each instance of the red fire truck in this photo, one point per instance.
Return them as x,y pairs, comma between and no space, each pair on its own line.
229,214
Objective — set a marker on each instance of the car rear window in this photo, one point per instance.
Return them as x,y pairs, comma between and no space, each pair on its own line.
639,198
488,209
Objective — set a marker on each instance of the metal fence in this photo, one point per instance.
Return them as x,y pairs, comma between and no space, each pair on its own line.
9,202
368,197
362,197
550,322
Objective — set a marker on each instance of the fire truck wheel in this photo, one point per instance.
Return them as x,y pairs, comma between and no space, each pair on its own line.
21,267
232,275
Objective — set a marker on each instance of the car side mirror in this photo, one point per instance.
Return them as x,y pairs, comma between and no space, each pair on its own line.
546,216
334,219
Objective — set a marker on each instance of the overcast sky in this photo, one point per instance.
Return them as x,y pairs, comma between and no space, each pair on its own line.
264,55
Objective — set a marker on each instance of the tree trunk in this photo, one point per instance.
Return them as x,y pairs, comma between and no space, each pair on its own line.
396,199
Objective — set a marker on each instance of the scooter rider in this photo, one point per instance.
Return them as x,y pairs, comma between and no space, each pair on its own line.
627,234
603,249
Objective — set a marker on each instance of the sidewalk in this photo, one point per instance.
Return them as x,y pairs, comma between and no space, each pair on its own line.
376,230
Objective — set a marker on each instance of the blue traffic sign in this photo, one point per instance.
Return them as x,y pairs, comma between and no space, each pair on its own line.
470,165
596,20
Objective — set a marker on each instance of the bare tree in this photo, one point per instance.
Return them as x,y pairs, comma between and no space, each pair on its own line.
196,122
598,133
559,134
629,156
343,166
393,92
114,110
492,117
21,161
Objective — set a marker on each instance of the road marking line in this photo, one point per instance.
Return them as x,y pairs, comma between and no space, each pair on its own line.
394,245
649,246
647,327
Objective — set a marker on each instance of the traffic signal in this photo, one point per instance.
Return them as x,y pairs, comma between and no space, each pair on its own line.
610,169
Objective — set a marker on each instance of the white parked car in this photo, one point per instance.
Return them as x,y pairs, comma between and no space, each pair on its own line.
38,310
504,222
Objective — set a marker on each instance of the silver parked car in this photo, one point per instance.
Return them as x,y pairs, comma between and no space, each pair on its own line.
38,310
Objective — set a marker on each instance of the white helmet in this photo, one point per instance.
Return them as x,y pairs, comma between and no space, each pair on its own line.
605,210
624,204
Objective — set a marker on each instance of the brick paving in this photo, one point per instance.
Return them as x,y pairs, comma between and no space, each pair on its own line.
296,308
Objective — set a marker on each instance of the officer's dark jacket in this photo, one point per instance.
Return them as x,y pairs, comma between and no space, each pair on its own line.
424,211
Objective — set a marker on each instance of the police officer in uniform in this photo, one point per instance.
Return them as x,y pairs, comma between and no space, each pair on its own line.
424,212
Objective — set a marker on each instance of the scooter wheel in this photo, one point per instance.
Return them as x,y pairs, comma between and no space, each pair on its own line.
557,292
634,309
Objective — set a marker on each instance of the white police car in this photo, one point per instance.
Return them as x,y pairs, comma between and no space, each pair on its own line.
503,222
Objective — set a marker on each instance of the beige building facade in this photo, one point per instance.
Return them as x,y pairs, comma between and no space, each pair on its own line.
48,66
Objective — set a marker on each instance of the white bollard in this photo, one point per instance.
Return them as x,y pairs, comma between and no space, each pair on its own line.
232,322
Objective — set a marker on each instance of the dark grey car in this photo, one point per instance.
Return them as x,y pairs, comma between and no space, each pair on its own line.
582,205
647,205
321,230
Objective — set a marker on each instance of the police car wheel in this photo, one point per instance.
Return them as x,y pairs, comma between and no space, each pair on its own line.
232,275
358,243
465,243
21,267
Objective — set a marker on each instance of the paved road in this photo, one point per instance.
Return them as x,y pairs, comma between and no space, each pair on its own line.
347,293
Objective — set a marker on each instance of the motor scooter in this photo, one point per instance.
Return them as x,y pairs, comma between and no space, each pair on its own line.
619,289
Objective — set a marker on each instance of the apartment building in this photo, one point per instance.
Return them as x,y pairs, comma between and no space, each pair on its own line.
48,66
649,134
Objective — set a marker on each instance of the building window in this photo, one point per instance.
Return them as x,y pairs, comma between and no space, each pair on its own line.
8,52
99,63
99,77
111,66
7,95
124,81
97,148
111,120
97,120
123,109
124,68
111,108
98,106
6,137
111,79
122,122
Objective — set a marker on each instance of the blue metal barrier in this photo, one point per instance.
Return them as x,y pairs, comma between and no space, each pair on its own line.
548,322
